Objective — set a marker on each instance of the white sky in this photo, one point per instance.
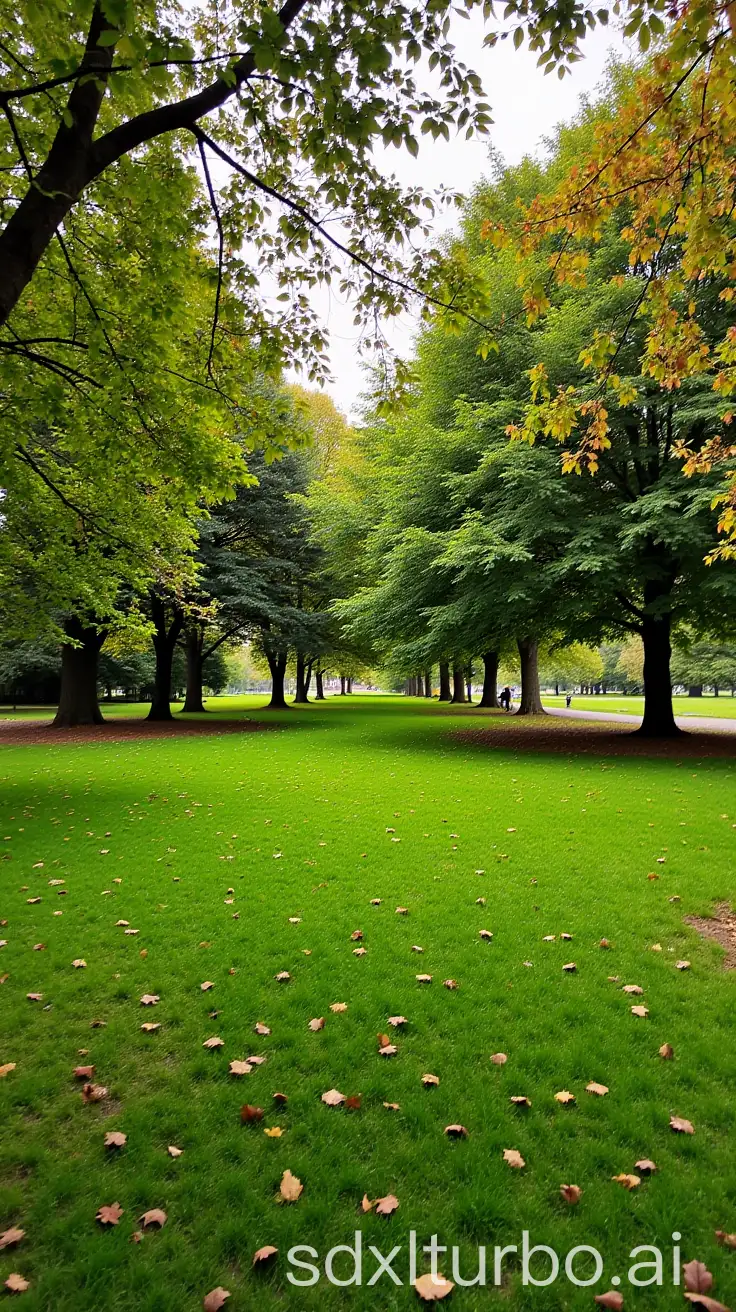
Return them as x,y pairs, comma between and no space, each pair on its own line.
525,106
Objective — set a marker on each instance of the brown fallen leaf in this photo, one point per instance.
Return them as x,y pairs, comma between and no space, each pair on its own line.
338,1007
520,1100
456,1132
666,1052
110,1214
214,1042
34,997
317,1024
136,1237
450,984
424,979
643,1012
283,977
333,1098
360,952
572,1193
366,1204
416,948
430,1081
708,1304
9,1238
397,1021
634,989
570,966
154,1217
375,901
388,1050
432,1288
392,1106
274,1131
151,1026
356,935
84,1072
612,1299
513,1158
260,1028
291,1187
567,937
173,1151
698,1278
604,943
682,965
280,1098
499,1059
728,1241
600,1089
249,1113
628,1181
216,1299
263,1255
402,911
255,1060
93,1092
6,1069
207,985
565,1097
681,1126
115,1139
385,1206
645,1166
240,1068
16,1284
150,999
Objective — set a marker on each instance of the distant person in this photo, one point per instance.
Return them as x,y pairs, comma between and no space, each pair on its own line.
506,698
568,699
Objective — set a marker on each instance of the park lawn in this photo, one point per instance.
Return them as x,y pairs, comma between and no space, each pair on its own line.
299,821
723,707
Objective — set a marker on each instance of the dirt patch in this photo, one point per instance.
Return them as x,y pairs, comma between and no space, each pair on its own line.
553,734
721,927
39,733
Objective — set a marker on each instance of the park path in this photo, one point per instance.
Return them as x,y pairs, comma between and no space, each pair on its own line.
709,723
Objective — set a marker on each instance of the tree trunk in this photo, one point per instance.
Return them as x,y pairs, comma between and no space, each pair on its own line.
300,696
445,689
490,679
715,689
195,662
531,700
308,677
277,666
350,683
320,693
428,684
695,690
469,687
659,719
458,684
164,641
342,685
78,702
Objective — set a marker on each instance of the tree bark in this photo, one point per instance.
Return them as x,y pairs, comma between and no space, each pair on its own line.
428,684
78,703
490,679
445,689
320,693
164,641
195,663
277,666
531,699
350,683
659,719
469,687
458,684
695,690
342,685
300,696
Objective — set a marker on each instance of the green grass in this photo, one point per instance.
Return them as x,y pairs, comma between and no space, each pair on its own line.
322,789
723,707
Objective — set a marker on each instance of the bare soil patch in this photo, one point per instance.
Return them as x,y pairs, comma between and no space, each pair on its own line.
39,733
553,734
721,927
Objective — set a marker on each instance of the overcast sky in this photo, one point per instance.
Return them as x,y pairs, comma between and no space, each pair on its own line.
525,106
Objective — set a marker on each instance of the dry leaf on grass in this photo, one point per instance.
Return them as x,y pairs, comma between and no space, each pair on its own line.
450,984
499,1059
283,977
456,1132
682,965
9,1238
317,1024
260,1028
16,1284
569,966
485,933
240,1068
513,1158
290,1188
93,1092
150,1027
565,1097
84,1072
173,1151
397,1021
388,1050
643,1012
604,943
645,1166
612,1299
520,1100
392,1106
424,979
728,1241
150,999
376,901
207,985
280,1099
432,1288
274,1132
708,1304
634,989
155,1217
254,1060
249,1113
333,1098
628,1181
356,935
600,1089
6,1069
430,1081
360,952
698,1278
216,1299
115,1139
385,1206
263,1255
666,1052
681,1126
110,1214
214,1042
572,1193
34,997
338,1006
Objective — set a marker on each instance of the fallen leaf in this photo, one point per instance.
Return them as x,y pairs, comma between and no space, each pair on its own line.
570,966
109,1214
604,943
392,1106
274,1132
416,948
499,1059
456,1132
682,965
122,924
150,999
376,901
402,911
388,1050
255,1060
643,1012
632,988
565,1097
283,977
115,1139
600,1089
360,952
34,997
450,984
356,935
728,1241
9,1238
628,1181
338,1006
698,1278
353,1102
240,1068
154,1217
666,1052
248,1113
611,1299
214,1042
645,1166
681,1126
709,1304
260,1028
263,1255
572,1193
424,979
93,1092
207,985
216,1299
520,1100
150,1027
513,1158
16,1284
84,1072
485,933
366,1204
6,1069
397,1021
317,1024
333,1098
173,1151
280,1098
430,1081
290,1188
432,1288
